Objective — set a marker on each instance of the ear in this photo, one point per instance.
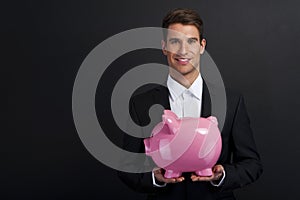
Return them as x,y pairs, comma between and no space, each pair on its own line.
213,119
170,113
164,47
202,46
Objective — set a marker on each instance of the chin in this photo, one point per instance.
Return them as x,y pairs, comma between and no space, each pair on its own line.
184,69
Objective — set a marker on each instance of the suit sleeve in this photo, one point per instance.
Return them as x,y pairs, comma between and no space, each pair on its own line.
246,165
140,182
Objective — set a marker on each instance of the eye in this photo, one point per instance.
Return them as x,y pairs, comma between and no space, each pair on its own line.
192,40
174,41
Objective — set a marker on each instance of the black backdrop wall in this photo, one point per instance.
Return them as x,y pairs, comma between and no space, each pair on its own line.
254,43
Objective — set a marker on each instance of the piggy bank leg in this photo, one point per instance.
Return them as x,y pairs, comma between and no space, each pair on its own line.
204,172
172,174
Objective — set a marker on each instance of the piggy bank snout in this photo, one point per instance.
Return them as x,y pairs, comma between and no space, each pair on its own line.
147,146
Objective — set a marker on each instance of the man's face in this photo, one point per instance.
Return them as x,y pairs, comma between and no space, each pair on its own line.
183,48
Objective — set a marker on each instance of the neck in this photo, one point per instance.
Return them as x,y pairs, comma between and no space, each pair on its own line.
184,79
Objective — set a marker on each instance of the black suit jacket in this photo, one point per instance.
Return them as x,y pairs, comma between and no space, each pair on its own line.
239,155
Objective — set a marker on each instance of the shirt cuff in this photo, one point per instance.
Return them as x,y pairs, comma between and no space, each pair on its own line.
154,182
220,182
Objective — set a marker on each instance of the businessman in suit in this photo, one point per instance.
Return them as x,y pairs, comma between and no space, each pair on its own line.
187,95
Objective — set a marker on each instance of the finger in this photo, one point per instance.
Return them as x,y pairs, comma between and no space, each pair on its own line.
157,171
194,177
160,177
218,168
205,178
179,179
217,176
174,180
202,178
218,171
170,180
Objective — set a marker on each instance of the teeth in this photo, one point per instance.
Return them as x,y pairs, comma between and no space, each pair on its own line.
183,59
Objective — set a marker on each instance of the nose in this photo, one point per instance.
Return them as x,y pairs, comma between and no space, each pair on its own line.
183,49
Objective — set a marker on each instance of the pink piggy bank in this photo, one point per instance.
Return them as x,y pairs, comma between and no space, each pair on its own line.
184,145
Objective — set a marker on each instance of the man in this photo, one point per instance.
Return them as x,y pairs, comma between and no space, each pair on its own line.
187,95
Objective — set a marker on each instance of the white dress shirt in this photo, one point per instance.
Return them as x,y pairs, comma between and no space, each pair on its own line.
186,102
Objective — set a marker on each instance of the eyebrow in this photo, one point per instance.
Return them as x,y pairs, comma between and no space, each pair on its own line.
170,39
193,38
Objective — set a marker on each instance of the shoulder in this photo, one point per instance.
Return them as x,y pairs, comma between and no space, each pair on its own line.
218,91
148,94
235,103
233,95
143,99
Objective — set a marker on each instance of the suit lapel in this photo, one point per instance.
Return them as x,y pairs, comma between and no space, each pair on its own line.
161,97
206,102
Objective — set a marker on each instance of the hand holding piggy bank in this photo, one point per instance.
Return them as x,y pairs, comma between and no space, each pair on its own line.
185,145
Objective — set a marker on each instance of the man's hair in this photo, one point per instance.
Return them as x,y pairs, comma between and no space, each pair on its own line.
183,16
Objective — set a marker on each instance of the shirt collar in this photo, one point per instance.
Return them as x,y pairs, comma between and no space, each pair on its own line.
197,87
176,89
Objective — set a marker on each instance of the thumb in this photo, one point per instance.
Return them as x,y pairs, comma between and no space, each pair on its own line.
218,169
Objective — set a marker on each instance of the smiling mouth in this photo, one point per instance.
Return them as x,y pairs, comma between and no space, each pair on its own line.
183,61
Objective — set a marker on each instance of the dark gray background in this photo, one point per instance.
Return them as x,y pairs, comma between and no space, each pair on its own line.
254,43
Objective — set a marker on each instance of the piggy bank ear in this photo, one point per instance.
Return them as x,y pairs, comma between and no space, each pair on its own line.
213,119
172,122
170,113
